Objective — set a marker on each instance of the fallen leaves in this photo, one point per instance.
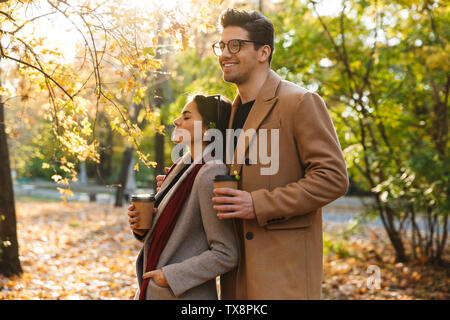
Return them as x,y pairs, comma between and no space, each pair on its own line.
73,251
86,251
367,270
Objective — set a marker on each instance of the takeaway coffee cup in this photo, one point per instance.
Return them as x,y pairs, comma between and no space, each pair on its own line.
144,203
225,181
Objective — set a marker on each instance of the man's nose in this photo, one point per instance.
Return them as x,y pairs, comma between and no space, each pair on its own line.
176,122
226,53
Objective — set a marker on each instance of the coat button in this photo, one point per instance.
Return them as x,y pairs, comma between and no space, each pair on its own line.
249,235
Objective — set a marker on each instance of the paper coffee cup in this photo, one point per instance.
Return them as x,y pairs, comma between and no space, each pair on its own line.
225,181
144,203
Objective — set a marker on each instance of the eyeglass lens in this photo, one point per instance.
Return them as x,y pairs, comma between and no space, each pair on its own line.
233,46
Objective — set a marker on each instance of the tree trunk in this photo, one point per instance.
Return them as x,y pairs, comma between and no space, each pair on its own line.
161,90
9,246
164,88
104,168
442,242
159,155
397,243
126,160
395,237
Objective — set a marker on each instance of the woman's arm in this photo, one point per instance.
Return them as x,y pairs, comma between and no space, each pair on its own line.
223,253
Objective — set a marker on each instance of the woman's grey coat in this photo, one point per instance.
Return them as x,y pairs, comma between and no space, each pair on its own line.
201,246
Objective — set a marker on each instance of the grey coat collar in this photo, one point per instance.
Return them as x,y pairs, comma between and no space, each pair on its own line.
181,163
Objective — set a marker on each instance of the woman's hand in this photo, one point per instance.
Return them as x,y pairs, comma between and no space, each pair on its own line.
134,219
159,182
157,276
160,179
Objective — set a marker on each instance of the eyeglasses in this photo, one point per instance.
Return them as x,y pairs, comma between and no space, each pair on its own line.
234,46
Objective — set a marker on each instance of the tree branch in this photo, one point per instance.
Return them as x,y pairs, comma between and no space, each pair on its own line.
7,15
336,47
41,71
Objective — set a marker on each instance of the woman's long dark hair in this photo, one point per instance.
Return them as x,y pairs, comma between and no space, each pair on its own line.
214,110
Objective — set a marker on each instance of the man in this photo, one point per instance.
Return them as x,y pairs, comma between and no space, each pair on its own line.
278,216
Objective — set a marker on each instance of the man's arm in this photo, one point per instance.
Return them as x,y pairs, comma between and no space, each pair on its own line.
321,156
325,173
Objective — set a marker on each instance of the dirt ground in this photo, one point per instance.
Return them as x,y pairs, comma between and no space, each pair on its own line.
86,251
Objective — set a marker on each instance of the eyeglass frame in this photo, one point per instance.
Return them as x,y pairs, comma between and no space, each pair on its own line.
228,45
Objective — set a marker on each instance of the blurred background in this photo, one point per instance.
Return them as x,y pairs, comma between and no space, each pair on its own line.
89,91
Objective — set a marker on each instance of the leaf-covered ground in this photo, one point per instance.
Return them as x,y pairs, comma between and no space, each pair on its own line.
86,251
73,251
362,266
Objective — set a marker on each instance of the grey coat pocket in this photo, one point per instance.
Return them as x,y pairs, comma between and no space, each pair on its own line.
156,292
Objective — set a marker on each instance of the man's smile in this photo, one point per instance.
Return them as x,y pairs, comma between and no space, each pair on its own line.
228,65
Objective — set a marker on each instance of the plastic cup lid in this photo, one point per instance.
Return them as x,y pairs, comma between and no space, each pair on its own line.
225,177
142,197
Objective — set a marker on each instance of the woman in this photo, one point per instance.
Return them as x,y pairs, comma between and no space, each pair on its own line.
187,246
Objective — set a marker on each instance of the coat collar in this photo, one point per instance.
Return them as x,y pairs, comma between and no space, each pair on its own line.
265,101
180,164
185,160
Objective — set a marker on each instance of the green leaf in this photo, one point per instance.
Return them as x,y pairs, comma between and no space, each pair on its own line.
149,51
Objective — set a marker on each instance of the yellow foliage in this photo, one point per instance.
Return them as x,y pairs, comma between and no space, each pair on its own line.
438,58
4,91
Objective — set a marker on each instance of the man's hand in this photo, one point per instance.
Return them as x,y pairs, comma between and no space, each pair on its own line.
231,203
158,277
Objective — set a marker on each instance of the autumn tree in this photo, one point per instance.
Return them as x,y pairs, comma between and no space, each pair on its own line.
382,67
78,90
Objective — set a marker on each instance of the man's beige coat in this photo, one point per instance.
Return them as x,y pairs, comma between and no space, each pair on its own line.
281,250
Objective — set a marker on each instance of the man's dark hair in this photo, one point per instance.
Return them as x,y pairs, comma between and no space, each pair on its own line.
259,28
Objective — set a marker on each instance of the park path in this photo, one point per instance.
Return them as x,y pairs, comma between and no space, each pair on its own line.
341,211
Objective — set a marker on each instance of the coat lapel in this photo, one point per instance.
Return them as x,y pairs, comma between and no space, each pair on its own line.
163,203
169,179
264,103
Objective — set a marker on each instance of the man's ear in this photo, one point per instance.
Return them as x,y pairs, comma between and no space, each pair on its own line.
264,53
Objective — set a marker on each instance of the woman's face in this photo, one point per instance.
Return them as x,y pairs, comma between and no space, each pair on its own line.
185,124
